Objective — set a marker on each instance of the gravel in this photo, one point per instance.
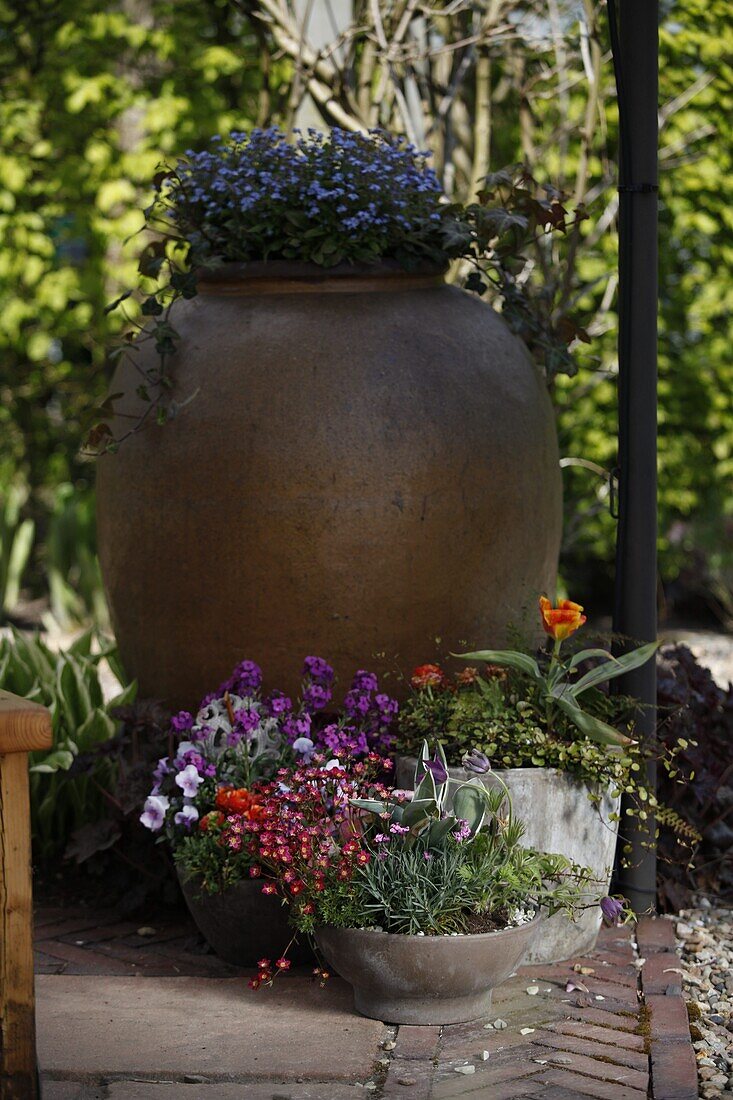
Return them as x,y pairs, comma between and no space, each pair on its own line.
705,940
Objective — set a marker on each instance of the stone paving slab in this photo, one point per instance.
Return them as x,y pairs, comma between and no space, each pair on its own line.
193,1090
206,1036
95,1027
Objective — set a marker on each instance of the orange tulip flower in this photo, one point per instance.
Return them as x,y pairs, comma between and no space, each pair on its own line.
561,621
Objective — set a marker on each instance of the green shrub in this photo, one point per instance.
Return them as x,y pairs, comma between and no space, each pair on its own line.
69,684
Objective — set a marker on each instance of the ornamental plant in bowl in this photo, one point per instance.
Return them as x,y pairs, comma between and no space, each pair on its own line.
564,747
213,776
421,905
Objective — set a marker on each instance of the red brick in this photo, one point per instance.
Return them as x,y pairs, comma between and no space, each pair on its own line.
655,934
662,973
668,1018
554,1093
587,1086
606,1071
623,1021
416,1042
602,1035
674,1071
612,991
82,961
603,1053
420,1074
514,1071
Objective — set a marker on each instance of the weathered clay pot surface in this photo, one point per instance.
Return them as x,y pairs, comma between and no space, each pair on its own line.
558,817
242,925
368,461
425,979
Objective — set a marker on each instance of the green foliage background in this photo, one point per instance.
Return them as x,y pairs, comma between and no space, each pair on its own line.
93,95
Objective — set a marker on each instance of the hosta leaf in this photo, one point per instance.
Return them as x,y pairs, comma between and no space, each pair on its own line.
59,760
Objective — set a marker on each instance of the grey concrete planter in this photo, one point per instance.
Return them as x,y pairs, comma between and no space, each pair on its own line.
241,925
425,979
558,817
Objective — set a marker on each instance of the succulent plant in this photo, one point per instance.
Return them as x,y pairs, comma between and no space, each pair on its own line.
434,810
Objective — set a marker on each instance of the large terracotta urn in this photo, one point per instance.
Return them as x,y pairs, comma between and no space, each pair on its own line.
365,460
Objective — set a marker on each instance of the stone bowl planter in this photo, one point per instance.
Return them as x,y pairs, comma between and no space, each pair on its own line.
425,979
558,817
241,924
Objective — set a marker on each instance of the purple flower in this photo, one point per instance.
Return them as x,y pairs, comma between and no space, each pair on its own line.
245,680
612,909
397,829
316,696
162,768
437,769
318,670
154,811
182,721
476,762
388,708
186,816
357,704
189,780
278,704
364,681
463,831
305,747
245,721
194,758
293,727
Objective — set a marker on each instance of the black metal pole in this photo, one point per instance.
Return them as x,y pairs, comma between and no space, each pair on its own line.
636,44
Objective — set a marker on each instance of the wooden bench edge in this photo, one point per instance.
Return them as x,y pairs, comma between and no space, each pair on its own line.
24,726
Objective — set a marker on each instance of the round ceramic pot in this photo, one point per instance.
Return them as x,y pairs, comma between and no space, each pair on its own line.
558,817
425,979
362,457
241,924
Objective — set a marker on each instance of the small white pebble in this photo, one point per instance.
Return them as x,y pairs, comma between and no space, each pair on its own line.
500,1024
540,1061
488,1027
485,1055
464,1069
599,997
533,990
548,989
526,1031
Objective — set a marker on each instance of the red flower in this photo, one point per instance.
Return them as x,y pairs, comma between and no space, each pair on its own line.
213,818
238,800
467,676
283,964
254,983
425,676
561,621
269,888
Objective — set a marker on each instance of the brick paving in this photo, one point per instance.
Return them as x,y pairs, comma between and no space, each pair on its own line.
625,1038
